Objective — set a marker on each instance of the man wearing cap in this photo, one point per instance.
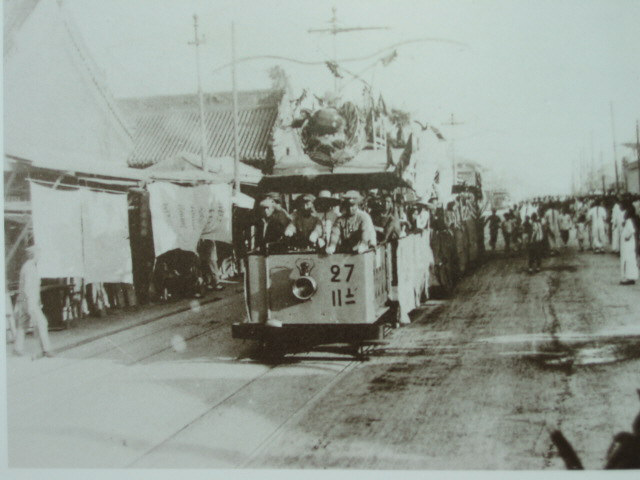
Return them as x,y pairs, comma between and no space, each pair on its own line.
387,223
326,206
29,306
271,224
353,231
305,227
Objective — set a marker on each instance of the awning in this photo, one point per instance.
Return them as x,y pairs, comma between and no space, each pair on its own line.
218,170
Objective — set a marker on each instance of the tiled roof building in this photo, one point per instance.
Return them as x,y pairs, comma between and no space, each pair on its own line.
164,126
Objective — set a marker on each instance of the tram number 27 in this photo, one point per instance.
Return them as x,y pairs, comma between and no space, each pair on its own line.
340,297
336,270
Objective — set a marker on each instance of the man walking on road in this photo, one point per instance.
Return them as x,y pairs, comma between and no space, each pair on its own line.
617,221
29,307
535,244
597,218
494,227
552,222
628,260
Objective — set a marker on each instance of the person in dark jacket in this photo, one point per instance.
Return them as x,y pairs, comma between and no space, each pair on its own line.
271,224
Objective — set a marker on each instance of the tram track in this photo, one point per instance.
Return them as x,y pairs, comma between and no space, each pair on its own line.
257,444
113,344
89,378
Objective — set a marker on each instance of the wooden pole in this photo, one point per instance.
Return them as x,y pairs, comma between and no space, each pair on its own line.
638,151
615,154
236,152
197,41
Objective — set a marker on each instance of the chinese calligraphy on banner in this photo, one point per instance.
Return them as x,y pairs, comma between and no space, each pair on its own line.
180,216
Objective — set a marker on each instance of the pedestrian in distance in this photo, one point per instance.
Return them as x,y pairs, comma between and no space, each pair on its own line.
597,218
582,234
507,231
29,307
565,225
617,221
552,227
628,259
494,226
535,240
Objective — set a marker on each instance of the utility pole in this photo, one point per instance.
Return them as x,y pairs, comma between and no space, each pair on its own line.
593,177
335,30
638,151
452,122
615,154
197,41
604,190
236,152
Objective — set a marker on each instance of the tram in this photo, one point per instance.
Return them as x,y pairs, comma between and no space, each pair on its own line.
300,299
297,300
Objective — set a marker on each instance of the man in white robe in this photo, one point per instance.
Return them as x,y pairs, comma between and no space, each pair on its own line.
597,217
617,221
552,222
628,260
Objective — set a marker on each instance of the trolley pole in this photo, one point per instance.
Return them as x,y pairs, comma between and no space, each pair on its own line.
236,152
197,41
334,30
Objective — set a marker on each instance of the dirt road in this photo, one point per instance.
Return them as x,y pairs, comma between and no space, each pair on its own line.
475,382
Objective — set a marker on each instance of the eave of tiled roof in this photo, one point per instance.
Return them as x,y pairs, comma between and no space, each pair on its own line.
166,126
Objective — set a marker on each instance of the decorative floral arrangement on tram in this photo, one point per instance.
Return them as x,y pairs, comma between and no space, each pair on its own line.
333,135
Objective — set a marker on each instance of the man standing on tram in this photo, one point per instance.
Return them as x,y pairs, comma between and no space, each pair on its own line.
353,231
271,224
305,228
326,206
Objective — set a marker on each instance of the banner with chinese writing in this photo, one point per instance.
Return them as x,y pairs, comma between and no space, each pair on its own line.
218,226
178,215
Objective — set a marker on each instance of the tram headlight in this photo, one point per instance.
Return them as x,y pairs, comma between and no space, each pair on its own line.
304,287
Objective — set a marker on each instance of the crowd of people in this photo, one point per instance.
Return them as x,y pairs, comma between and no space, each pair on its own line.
329,223
544,226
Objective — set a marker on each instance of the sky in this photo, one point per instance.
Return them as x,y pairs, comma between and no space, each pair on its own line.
531,82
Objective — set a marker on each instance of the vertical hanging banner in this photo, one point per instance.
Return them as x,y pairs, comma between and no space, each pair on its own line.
178,215
218,226
105,232
415,258
57,231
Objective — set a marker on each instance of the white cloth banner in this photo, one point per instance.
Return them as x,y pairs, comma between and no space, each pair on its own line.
105,232
81,233
414,262
57,231
178,215
218,226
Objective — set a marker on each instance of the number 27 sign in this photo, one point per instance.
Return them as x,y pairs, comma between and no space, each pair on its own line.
342,295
